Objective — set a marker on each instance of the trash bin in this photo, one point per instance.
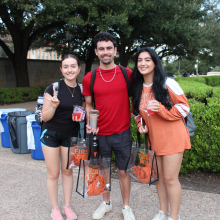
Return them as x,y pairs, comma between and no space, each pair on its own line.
4,129
18,131
37,153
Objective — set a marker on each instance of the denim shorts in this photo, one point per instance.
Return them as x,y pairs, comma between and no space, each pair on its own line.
120,143
57,138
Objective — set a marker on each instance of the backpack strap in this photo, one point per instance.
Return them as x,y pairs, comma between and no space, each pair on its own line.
124,71
92,85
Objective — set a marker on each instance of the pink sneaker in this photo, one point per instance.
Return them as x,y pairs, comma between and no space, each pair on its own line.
56,215
70,215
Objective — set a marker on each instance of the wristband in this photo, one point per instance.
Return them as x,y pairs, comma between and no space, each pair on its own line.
138,125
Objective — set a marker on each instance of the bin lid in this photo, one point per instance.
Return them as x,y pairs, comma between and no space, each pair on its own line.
20,113
3,111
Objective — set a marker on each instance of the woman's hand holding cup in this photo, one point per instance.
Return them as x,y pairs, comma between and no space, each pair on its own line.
153,105
75,118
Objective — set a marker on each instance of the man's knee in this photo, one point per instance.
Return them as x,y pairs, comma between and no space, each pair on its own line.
122,173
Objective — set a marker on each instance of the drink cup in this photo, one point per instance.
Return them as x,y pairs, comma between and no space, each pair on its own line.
149,111
93,118
78,111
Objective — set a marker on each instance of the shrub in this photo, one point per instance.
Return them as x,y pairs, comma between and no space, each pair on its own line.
196,90
212,80
195,79
208,80
205,152
20,94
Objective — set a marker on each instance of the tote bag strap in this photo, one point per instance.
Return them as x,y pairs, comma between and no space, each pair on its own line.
146,141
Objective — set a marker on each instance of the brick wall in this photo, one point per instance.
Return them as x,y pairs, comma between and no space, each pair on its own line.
41,72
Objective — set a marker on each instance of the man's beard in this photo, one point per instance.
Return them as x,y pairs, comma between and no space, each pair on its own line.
106,61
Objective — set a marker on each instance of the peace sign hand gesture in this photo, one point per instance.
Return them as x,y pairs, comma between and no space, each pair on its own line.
53,100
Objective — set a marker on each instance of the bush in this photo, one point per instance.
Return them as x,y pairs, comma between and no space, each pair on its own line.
20,94
196,90
197,79
205,152
208,80
212,80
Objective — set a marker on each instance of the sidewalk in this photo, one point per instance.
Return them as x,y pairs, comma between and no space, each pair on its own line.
24,197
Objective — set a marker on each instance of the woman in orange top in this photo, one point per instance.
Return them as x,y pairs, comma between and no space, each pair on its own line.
162,104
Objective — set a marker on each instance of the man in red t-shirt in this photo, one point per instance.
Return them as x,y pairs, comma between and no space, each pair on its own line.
112,101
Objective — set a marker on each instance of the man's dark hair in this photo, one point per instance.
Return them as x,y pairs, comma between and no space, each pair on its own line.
104,36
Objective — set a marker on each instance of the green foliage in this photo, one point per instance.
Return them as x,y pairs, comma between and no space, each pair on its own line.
197,90
196,79
205,152
20,94
208,80
212,80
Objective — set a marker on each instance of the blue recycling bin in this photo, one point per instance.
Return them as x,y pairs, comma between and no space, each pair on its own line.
37,154
5,136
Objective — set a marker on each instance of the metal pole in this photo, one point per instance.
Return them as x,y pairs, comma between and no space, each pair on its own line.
197,66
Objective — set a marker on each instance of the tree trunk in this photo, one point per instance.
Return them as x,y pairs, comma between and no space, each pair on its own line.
21,71
124,57
20,62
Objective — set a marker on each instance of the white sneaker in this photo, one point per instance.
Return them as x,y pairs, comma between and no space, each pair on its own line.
161,216
127,213
101,210
172,219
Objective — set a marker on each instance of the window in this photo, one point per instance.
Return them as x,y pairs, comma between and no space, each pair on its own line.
38,54
32,52
50,55
54,55
43,54
46,55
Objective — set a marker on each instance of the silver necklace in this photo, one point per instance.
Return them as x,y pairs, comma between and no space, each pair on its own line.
112,77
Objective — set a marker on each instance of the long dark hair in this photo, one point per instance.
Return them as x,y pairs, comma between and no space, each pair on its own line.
70,56
159,89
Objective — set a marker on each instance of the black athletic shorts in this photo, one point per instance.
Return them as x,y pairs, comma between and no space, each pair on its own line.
120,143
56,138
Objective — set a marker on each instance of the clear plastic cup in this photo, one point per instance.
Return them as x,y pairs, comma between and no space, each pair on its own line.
149,111
78,111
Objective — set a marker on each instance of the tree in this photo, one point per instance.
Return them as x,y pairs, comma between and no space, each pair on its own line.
24,20
171,27
97,16
210,53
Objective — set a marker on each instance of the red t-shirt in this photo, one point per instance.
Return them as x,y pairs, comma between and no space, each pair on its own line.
111,99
